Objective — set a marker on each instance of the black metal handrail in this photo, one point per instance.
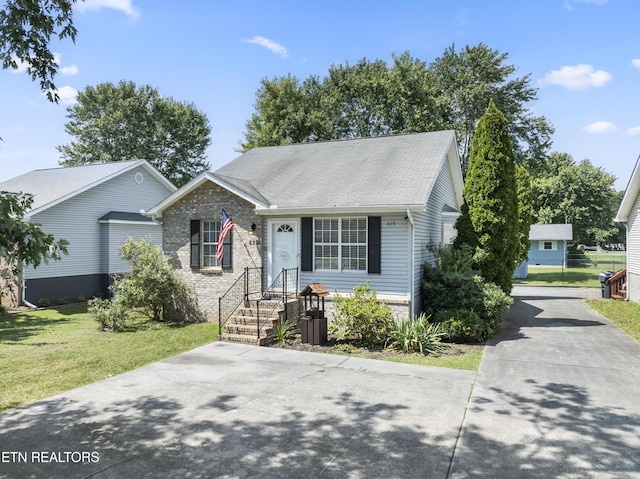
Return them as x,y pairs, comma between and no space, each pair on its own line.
248,284
280,290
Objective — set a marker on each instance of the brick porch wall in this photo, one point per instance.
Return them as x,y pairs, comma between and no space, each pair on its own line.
206,203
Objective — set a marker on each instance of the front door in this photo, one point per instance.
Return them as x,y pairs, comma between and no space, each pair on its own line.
284,247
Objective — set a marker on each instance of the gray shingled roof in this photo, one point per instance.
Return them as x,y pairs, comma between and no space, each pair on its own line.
551,232
51,185
384,171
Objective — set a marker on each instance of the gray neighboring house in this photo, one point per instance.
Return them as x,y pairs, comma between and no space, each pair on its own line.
95,208
548,247
343,212
628,214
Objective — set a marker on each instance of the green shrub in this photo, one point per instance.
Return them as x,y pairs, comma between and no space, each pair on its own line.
461,325
416,335
454,294
112,315
496,304
43,302
63,301
361,316
81,299
284,331
153,286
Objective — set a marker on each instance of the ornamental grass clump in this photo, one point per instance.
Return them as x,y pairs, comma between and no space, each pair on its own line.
416,335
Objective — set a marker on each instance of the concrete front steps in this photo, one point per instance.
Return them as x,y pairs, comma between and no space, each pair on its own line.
242,327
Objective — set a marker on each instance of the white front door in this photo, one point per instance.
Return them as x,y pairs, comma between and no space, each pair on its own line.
284,247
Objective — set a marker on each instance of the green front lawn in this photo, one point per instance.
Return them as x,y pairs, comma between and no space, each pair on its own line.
624,314
558,276
47,352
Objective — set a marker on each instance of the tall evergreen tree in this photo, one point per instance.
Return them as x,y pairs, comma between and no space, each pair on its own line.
525,211
491,196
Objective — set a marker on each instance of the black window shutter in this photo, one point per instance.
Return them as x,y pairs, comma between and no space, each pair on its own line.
374,241
307,244
226,251
195,244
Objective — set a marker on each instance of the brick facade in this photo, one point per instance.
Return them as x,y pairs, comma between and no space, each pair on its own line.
206,203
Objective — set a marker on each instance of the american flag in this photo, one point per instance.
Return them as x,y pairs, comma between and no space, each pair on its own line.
225,228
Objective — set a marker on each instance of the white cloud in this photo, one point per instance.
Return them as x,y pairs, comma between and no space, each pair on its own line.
577,77
124,6
72,70
600,128
635,131
568,4
636,63
269,45
68,95
22,66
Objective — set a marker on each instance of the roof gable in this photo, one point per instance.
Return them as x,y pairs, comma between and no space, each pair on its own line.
390,171
551,232
379,173
630,195
52,186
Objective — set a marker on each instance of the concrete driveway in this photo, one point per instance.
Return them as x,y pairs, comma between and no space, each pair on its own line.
233,411
557,396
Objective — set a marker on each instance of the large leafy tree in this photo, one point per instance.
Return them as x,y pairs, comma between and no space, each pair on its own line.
23,243
577,193
491,196
465,81
368,98
26,29
126,122
373,98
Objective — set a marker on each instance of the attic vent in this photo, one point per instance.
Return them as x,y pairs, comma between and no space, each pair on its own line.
139,178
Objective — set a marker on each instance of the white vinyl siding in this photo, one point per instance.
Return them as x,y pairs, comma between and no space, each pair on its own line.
633,253
429,229
76,220
633,240
115,234
395,247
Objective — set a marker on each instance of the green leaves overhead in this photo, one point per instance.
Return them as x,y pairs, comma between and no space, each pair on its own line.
26,29
125,122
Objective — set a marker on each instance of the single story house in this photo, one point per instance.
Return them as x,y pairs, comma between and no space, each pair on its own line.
628,214
549,244
95,208
548,247
342,212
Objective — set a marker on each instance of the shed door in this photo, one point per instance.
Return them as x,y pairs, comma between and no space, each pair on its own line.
284,247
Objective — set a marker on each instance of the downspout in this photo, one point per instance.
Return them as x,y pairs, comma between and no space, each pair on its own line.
411,261
23,289
626,245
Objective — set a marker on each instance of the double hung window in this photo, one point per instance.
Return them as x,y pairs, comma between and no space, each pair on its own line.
340,244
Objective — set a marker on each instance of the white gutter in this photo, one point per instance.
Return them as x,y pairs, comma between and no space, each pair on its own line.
411,261
335,210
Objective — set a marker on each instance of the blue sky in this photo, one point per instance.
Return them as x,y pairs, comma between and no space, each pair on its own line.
583,55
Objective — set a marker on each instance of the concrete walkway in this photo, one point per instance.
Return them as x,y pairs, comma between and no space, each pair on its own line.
557,396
